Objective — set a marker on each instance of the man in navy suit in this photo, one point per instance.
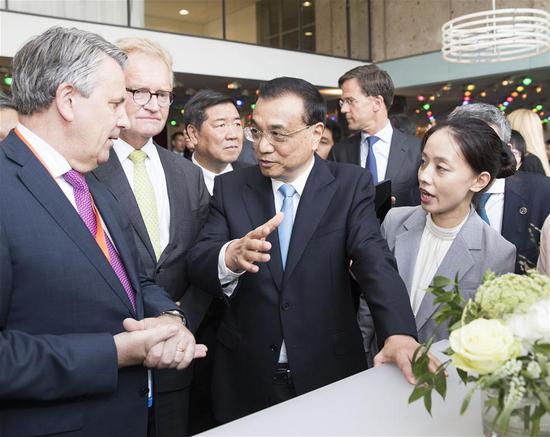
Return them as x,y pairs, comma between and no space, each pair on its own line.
518,205
79,323
290,323
389,154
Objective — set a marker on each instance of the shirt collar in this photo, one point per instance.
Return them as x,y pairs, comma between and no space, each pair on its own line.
227,168
384,134
497,187
299,183
56,164
123,149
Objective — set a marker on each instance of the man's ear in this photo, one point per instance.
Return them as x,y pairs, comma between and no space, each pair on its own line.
193,133
317,132
65,100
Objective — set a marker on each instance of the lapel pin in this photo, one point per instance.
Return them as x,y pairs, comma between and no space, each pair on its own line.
523,210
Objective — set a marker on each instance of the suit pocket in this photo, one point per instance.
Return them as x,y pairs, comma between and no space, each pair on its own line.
229,338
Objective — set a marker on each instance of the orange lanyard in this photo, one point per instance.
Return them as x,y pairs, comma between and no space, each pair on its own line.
100,236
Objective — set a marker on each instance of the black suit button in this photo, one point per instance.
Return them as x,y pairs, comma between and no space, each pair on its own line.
274,348
159,270
285,306
142,392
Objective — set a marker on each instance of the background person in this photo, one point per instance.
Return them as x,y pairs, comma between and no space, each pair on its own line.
525,161
331,135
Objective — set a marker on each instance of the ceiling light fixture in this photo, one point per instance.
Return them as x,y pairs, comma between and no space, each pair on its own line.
496,35
308,33
306,4
183,12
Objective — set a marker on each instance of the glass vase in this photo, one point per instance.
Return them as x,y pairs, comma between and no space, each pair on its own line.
519,425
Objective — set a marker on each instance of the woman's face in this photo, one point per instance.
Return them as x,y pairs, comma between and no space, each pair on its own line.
447,182
517,155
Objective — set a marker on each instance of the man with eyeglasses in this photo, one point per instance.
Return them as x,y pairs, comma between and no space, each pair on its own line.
166,201
277,246
367,94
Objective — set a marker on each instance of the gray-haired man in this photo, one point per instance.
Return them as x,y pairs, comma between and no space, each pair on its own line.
78,320
517,205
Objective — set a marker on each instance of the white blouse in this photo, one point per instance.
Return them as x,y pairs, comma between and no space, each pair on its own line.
434,245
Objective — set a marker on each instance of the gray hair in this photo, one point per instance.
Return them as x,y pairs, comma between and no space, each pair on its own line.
57,56
6,101
490,114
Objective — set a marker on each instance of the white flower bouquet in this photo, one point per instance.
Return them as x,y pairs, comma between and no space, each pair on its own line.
500,343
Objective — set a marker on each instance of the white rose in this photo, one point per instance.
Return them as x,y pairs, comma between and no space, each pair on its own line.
482,346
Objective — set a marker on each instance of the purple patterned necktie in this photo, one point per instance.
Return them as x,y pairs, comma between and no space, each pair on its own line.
83,200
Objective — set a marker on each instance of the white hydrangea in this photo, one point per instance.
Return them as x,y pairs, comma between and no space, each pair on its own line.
533,325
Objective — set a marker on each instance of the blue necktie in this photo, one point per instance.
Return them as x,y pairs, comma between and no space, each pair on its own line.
285,228
481,207
371,159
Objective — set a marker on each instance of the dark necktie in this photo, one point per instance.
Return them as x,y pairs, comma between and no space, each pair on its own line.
86,211
481,207
371,159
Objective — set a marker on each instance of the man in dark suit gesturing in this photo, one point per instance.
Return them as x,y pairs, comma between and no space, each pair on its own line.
166,199
290,324
367,94
73,337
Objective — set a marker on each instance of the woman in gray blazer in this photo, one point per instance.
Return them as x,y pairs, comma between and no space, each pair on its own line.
444,236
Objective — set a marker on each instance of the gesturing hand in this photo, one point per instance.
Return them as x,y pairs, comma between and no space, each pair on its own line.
241,255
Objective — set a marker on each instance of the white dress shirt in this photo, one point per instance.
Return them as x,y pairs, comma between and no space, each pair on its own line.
495,205
229,279
434,245
381,150
155,171
210,175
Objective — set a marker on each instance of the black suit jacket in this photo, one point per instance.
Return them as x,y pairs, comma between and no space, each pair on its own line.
309,303
188,200
60,305
403,163
526,204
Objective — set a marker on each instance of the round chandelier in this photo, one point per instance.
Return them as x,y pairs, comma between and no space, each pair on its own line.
496,35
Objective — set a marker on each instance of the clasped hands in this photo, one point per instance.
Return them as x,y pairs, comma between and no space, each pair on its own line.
157,342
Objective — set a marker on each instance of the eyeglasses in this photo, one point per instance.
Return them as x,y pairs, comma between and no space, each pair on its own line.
274,137
143,96
350,101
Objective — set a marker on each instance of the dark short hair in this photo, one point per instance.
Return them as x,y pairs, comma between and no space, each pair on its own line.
175,134
195,109
480,145
315,108
518,143
335,128
6,101
373,82
404,123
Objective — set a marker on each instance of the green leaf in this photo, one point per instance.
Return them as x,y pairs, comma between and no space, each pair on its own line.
440,383
463,375
543,399
441,282
417,393
428,401
468,398
541,348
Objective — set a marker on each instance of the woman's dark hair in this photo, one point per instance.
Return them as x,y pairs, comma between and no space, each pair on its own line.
518,143
335,128
480,145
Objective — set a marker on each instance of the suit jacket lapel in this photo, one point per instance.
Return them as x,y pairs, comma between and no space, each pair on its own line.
260,207
408,238
355,151
457,262
46,191
177,198
112,174
398,152
513,223
318,193
117,237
